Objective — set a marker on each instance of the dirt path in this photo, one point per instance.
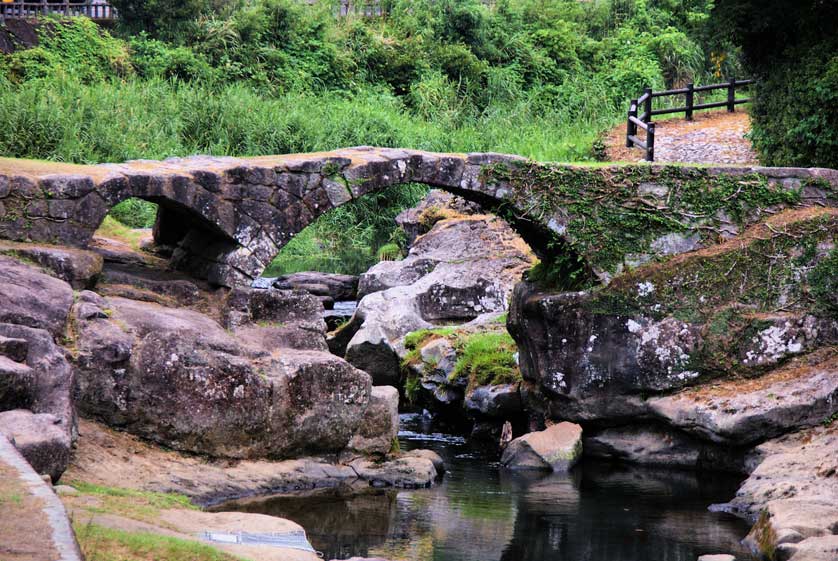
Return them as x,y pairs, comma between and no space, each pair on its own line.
716,137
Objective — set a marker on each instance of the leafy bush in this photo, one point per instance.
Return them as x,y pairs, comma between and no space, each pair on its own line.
155,59
790,47
795,110
135,213
76,47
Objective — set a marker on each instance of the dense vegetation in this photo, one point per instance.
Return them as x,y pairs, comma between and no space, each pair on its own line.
791,47
534,77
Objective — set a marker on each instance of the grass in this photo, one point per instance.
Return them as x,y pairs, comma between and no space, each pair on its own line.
483,358
131,503
113,229
10,498
106,544
488,358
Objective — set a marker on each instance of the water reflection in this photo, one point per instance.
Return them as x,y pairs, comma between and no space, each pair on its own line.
480,513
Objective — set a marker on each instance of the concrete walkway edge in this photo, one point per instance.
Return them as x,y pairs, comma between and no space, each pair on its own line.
63,538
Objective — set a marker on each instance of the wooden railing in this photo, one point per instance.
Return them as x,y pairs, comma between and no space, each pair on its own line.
21,10
644,120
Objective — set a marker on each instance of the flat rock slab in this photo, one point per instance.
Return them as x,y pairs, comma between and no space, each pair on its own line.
116,459
33,523
78,267
193,525
794,479
558,447
744,412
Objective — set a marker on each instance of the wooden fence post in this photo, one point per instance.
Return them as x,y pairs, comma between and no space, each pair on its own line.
648,104
650,143
631,128
731,95
690,98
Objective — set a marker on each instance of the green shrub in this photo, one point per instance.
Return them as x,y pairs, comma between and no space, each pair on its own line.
135,213
795,109
155,59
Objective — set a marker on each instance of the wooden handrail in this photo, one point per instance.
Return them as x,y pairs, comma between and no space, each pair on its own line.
643,120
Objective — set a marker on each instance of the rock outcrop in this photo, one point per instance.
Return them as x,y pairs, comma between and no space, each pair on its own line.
798,395
177,377
36,381
792,495
445,375
557,448
462,268
599,354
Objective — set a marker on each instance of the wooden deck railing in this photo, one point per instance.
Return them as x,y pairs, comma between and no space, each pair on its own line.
21,10
644,120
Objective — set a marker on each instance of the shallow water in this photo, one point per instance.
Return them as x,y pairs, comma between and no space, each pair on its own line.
481,513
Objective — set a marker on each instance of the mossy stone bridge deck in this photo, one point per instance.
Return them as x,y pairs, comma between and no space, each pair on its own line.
229,217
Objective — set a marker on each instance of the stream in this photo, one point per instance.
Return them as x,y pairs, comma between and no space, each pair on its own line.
479,512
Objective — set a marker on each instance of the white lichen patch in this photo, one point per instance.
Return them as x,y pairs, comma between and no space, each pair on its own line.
633,326
777,342
645,289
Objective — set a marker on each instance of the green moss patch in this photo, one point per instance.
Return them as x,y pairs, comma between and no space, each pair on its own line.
765,270
483,357
615,212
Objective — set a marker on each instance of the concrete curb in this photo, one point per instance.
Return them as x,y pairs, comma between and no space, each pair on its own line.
62,535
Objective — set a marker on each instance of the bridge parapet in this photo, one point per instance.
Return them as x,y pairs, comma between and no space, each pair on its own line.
229,217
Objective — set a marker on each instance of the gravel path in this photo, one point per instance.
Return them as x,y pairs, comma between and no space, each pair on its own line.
716,137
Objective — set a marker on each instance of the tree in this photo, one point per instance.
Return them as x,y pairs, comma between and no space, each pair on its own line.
791,48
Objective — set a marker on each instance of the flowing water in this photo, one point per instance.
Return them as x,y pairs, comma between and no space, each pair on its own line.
479,512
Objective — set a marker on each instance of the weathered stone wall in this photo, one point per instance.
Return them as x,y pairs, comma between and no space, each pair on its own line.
232,216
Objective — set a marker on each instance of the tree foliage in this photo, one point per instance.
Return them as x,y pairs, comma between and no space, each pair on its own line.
791,48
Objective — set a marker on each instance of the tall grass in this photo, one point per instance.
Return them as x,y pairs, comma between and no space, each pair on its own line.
61,119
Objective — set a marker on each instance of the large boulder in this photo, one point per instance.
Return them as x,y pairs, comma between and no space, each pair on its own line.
32,298
556,448
177,377
462,268
599,354
380,425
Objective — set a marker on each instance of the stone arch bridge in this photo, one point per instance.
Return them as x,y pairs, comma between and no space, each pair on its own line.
229,217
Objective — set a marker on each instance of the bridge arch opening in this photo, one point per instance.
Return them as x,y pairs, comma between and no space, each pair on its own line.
166,229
